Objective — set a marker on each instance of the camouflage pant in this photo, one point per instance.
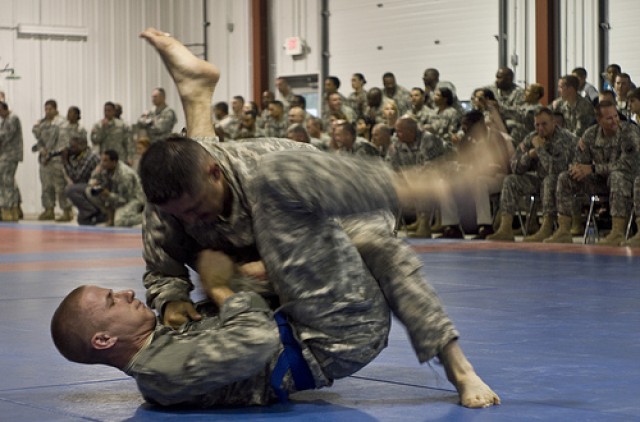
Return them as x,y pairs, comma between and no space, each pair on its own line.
9,193
53,185
516,186
338,280
618,185
636,196
128,215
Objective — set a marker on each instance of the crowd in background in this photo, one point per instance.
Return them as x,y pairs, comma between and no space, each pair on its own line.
494,153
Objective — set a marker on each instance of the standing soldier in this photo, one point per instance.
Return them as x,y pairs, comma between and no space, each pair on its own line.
159,121
111,133
70,129
47,133
10,156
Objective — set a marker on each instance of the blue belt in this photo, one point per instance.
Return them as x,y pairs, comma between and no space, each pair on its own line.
290,359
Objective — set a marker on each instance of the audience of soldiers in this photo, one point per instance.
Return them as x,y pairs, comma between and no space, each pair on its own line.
584,143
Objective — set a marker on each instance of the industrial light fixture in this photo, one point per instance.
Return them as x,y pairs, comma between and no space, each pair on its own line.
53,31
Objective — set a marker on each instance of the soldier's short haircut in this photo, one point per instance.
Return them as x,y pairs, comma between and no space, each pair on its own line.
624,75
251,113
447,95
51,103
222,106
634,93
298,128
580,71
361,77
488,94
81,141
615,66
110,104
239,98
77,110
161,91
335,80
408,123
171,168
416,88
608,93
113,155
348,127
472,117
603,104
571,81
277,103
301,100
388,75
4,106
537,89
383,128
544,110
317,122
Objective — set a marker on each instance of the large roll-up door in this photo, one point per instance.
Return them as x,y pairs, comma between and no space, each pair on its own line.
458,37
624,36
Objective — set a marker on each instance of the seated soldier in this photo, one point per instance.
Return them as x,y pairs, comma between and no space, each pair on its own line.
537,162
337,299
114,192
635,240
606,161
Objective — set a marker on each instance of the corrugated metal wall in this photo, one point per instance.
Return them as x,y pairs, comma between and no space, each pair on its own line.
624,36
407,36
112,63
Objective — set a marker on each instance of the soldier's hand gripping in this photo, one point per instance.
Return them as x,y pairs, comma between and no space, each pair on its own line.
179,312
215,270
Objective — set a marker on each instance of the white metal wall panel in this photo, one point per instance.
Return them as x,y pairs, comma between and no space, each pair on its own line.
112,63
624,35
579,43
407,36
295,18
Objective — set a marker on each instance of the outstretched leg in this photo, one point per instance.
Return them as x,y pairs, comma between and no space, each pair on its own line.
195,79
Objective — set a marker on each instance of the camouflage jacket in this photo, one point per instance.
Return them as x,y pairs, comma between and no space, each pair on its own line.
123,184
427,147
577,118
616,153
553,158
115,135
11,139
158,123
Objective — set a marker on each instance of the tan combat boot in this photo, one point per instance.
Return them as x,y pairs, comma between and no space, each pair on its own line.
616,235
634,242
577,225
67,215
424,227
563,234
7,215
412,227
545,231
504,232
16,212
47,214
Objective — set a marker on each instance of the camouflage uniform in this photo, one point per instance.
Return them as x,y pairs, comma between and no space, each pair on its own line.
10,155
276,129
115,135
52,179
422,116
341,327
158,123
348,112
427,147
125,198
402,97
68,131
636,197
325,103
444,123
577,118
229,126
538,175
358,102
376,113
361,148
510,101
616,163
247,133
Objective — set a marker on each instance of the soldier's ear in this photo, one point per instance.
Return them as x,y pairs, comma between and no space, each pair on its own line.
102,340
215,171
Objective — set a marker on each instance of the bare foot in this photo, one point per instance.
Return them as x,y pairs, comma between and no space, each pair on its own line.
195,79
473,392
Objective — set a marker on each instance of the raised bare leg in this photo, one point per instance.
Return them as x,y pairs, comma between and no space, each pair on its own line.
195,79
472,390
